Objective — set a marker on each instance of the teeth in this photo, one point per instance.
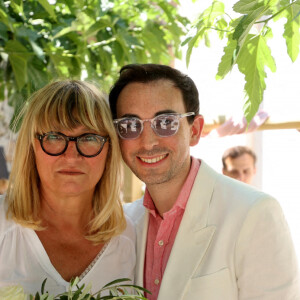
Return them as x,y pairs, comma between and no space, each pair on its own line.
153,160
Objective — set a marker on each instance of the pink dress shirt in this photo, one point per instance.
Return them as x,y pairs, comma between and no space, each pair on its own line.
162,233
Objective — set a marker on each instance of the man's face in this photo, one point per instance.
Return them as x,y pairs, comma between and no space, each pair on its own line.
152,158
241,168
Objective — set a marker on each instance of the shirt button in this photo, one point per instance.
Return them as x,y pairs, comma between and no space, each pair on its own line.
156,281
160,243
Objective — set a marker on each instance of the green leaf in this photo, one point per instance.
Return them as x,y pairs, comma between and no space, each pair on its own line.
48,8
154,42
192,44
203,25
37,75
65,31
139,288
6,19
118,52
227,59
166,8
3,32
221,24
18,57
292,31
92,56
61,61
210,14
17,6
246,23
43,286
74,281
37,296
97,26
247,6
2,91
26,33
117,281
187,40
206,40
37,50
253,59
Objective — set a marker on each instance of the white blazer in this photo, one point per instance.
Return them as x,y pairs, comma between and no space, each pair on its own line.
233,243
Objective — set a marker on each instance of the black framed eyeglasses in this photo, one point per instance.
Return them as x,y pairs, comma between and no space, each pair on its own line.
87,144
163,125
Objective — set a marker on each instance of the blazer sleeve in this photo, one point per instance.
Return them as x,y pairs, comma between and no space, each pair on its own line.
266,263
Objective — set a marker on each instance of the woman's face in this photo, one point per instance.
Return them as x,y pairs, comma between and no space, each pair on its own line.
70,174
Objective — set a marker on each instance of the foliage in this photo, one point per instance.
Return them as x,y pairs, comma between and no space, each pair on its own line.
116,289
42,40
247,37
89,39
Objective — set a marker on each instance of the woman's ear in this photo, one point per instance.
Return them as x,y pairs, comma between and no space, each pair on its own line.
196,129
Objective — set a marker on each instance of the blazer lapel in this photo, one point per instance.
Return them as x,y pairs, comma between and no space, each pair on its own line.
193,237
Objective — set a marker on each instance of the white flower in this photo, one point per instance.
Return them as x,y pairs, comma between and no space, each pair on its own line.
14,292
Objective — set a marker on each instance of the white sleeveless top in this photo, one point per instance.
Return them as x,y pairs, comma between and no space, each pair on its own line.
24,261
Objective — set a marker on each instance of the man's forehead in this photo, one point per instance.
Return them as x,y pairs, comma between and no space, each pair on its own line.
147,100
242,161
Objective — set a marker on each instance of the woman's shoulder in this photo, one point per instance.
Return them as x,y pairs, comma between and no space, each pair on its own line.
123,245
129,231
135,210
5,224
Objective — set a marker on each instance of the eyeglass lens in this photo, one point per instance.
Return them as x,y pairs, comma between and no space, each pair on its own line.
163,125
87,144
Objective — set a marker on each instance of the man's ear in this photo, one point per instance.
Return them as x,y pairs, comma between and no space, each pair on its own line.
196,130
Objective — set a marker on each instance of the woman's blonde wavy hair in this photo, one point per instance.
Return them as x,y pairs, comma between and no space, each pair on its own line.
66,104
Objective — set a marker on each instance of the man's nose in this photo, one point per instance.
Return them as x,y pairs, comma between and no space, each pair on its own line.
241,177
148,137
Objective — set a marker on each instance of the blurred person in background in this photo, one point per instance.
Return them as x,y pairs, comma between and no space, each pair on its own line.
239,163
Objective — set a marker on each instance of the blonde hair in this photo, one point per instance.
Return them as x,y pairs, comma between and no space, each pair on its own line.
66,104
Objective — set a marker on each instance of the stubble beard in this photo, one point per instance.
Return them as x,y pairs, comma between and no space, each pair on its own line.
154,176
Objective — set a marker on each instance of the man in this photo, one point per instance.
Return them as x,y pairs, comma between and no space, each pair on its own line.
239,163
200,235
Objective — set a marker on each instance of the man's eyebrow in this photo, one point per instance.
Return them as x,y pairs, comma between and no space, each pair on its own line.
167,111
129,116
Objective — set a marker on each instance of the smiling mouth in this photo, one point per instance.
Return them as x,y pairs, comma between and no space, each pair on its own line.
153,160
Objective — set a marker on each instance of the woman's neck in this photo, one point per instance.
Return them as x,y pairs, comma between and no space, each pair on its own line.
66,212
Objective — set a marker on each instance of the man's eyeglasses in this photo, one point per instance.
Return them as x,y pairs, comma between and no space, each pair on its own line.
163,125
87,144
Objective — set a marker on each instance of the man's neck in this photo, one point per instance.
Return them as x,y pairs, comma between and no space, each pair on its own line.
164,195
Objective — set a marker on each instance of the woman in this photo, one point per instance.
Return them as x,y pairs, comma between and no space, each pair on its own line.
62,216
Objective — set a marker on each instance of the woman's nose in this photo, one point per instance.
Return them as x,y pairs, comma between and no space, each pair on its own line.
71,150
